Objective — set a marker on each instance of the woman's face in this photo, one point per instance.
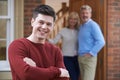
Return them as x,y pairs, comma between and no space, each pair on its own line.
72,22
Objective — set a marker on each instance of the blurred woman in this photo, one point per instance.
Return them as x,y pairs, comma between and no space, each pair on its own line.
68,35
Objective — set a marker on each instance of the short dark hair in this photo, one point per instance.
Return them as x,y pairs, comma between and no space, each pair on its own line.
45,10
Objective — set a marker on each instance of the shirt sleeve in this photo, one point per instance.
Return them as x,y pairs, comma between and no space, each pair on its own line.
56,39
98,39
16,52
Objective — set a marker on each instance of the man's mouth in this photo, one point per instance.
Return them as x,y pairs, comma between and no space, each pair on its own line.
43,31
85,17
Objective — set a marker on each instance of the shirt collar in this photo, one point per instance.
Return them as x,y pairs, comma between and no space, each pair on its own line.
88,21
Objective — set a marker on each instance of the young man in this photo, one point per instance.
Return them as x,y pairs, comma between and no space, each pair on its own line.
33,58
91,41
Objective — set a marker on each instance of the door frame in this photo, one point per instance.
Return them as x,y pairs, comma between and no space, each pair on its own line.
103,21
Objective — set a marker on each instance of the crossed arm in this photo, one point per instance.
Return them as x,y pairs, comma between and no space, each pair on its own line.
64,72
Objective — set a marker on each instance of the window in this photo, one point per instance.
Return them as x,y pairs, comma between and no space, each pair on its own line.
6,31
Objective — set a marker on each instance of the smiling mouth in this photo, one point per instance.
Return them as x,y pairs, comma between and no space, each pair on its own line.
43,31
85,17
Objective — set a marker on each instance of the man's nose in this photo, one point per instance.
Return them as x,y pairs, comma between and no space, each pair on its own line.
44,26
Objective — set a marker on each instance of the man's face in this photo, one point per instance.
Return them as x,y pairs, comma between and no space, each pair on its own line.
42,26
85,15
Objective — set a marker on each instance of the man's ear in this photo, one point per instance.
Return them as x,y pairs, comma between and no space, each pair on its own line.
32,20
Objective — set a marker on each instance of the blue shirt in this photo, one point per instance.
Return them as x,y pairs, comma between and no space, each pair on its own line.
90,38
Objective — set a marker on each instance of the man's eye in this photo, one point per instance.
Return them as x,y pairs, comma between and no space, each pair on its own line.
49,24
41,22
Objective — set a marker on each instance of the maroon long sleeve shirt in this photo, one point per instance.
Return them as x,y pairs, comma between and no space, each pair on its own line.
47,57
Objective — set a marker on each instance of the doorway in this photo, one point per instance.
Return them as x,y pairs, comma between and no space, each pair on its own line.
99,15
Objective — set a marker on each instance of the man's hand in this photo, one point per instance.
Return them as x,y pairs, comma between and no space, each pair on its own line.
64,73
88,55
29,61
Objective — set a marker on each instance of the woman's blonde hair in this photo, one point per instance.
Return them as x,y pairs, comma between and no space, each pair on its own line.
74,15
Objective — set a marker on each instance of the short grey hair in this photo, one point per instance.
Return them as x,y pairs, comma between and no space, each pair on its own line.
86,7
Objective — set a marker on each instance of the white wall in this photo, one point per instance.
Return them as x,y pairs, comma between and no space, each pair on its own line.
56,4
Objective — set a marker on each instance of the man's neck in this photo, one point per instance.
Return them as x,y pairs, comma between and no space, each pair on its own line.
36,40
